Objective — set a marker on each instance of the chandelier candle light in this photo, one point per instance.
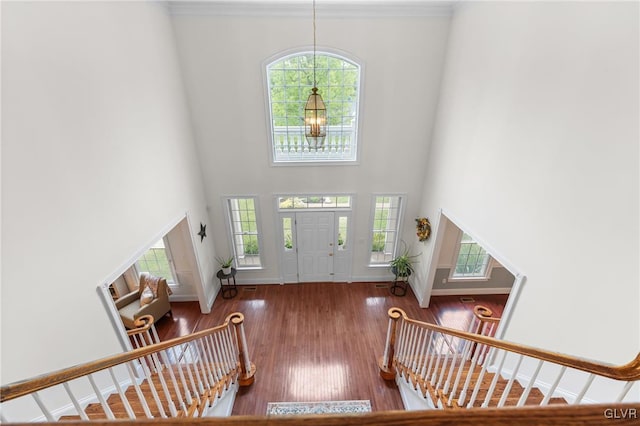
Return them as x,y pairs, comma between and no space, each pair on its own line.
315,112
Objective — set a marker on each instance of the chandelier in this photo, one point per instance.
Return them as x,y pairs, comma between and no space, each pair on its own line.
315,112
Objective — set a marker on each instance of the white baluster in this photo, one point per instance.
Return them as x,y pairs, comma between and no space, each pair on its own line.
386,362
43,408
416,351
553,388
400,341
441,354
185,387
443,369
584,390
467,382
496,376
207,362
507,389
136,386
215,362
152,388
627,387
103,402
174,382
74,401
465,354
125,401
199,366
165,389
525,394
184,363
476,388
425,353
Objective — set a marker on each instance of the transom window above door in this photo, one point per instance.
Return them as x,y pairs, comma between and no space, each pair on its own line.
296,202
289,81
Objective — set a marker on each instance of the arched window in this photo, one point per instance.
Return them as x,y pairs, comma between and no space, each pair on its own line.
289,82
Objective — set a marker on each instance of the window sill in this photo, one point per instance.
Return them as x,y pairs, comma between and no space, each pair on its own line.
378,265
250,268
466,279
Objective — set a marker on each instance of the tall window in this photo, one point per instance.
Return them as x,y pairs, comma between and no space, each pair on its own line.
157,261
245,236
384,235
290,80
472,261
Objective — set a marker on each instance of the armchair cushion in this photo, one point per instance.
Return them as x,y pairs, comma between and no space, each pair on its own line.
131,307
146,297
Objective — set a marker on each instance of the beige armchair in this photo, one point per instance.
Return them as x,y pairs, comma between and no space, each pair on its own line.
130,307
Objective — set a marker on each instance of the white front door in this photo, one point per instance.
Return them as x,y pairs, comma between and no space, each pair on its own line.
315,240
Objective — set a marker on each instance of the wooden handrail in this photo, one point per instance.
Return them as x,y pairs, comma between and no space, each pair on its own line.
583,415
142,324
25,387
625,372
484,314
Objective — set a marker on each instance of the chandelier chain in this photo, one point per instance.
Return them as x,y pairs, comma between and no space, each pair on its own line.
314,43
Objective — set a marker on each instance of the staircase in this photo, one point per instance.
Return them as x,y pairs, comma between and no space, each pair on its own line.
466,377
453,369
122,407
484,385
185,377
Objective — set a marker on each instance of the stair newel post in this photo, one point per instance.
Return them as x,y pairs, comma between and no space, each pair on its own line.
386,362
247,368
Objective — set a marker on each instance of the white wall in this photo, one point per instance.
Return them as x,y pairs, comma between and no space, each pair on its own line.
97,158
223,57
536,151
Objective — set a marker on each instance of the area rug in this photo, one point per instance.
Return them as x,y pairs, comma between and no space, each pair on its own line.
322,407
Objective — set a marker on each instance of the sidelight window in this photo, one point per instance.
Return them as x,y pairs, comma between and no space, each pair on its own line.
245,236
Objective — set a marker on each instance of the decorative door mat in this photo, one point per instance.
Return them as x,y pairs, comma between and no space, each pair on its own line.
322,407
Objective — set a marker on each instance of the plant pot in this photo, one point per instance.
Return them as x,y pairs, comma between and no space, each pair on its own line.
395,272
227,270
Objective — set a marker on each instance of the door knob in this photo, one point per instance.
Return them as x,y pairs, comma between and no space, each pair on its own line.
330,254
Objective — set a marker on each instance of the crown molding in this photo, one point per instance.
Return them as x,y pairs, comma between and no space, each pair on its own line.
302,8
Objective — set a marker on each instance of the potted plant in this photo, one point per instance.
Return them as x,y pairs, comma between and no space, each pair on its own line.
402,264
225,264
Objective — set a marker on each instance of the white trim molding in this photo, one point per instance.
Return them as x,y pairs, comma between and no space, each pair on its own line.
302,8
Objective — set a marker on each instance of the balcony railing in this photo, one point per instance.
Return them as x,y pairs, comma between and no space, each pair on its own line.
289,145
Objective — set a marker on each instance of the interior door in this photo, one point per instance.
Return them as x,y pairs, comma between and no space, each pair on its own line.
315,239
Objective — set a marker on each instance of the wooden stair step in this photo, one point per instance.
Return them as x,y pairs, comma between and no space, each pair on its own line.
535,396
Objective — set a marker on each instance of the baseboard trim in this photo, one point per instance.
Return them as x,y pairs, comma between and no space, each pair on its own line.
183,298
471,291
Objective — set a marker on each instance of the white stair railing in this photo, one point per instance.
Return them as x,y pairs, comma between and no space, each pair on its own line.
453,367
181,377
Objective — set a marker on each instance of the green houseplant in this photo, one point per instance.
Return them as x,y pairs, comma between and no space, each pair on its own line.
225,264
402,264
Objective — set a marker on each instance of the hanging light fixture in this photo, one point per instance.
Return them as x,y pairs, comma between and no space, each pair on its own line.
315,112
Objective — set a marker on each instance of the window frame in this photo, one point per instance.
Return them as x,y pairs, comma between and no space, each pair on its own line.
171,281
358,110
231,233
456,255
402,199
325,206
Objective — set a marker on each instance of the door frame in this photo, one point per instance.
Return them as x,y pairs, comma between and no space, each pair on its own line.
338,212
103,288
518,282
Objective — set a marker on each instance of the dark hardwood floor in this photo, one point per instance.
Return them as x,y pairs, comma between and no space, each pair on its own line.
318,341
